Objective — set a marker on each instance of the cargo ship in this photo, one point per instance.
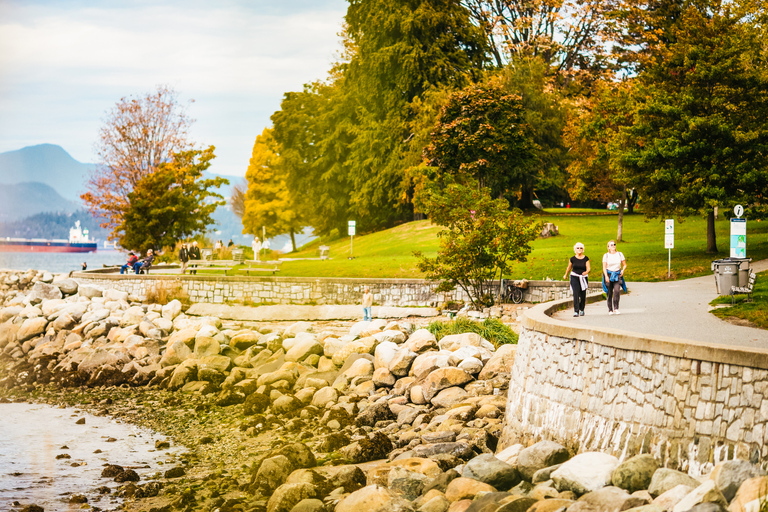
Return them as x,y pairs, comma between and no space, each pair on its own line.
78,242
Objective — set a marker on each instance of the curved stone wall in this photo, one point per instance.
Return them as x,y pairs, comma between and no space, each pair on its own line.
690,406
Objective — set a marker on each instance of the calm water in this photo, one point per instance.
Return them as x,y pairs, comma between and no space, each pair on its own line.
59,262
33,435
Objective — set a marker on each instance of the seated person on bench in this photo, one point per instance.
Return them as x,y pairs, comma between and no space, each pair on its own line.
132,259
144,263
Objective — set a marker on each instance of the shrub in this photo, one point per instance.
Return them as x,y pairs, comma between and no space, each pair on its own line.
491,329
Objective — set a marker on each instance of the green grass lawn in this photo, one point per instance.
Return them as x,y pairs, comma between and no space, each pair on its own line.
755,312
389,253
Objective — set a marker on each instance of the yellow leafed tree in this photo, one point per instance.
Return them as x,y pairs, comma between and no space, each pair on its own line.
268,202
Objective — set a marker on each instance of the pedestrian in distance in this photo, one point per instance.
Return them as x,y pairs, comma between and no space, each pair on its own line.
614,266
184,257
256,246
578,270
132,258
145,262
367,304
194,255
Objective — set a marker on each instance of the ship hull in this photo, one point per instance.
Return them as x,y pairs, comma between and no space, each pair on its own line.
45,246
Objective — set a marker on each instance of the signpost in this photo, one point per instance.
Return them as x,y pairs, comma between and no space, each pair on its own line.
351,233
669,241
738,234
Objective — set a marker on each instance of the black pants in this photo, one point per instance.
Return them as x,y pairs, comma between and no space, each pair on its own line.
579,295
614,292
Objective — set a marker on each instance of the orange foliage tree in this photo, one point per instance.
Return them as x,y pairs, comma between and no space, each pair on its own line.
138,135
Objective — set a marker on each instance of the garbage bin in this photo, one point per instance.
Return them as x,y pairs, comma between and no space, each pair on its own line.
726,275
743,269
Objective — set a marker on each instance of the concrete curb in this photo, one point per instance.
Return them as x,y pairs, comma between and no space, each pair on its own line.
295,312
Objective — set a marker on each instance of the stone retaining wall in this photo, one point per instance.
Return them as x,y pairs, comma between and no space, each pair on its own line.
297,290
690,406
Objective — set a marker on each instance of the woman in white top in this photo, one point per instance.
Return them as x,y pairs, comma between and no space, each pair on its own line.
614,265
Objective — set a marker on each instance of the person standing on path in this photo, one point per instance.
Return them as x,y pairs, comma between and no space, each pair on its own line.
194,255
367,304
578,268
256,246
614,266
184,257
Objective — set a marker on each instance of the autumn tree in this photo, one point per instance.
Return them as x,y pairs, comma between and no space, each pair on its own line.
482,239
138,135
699,136
268,201
171,203
594,136
569,35
481,137
237,198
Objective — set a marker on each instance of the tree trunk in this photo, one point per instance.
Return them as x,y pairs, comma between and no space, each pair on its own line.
622,202
526,198
711,235
293,241
632,201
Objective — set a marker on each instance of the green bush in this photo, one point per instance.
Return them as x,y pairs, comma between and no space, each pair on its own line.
491,329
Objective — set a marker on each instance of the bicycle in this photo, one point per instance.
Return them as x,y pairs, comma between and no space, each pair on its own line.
512,291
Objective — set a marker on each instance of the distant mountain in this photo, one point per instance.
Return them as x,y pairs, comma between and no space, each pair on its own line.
53,225
45,163
22,200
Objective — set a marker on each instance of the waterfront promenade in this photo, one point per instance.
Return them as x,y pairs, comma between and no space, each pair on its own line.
678,309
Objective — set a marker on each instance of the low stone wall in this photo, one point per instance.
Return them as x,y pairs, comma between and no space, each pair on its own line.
298,290
691,406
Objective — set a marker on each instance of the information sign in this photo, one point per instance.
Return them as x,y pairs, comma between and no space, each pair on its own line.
738,238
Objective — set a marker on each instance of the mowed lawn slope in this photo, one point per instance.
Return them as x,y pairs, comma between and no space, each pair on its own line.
389,253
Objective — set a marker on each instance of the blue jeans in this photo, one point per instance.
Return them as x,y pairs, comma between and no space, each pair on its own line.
367,314
124,269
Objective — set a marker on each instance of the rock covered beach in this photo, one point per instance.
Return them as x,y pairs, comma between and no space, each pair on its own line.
311,417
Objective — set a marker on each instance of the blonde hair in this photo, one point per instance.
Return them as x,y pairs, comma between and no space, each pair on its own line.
610,242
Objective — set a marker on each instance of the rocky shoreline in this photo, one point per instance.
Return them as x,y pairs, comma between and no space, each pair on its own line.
377,416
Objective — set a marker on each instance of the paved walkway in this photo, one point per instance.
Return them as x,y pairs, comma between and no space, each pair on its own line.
679,309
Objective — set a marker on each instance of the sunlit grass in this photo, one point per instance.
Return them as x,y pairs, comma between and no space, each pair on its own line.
755,311
389,253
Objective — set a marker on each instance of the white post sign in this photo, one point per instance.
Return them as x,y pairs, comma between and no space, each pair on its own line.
738,234
351,232
669,241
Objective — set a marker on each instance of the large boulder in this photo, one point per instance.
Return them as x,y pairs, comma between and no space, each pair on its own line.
43,291
369,498
175,353
731,474
454,342
67,286
401,362
751,495
444,378
705,493
303,349
492,471
205,346
501,362
405,482
665,479
288,496
539,456
466,488
383,354
273,473
30,328
429,362
171,310
586,472
607,499
635,473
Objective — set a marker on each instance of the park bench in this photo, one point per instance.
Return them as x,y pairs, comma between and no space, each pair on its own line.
744,290
262,266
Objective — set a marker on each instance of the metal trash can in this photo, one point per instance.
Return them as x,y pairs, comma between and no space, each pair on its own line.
726,275
743,269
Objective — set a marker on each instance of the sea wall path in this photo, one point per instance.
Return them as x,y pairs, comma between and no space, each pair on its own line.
692,398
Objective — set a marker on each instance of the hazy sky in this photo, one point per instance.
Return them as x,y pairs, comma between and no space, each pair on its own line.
65,63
